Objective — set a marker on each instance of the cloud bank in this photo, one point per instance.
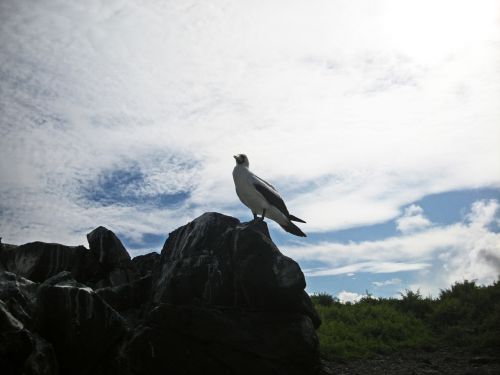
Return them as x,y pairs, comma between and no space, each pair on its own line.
126,114
439,255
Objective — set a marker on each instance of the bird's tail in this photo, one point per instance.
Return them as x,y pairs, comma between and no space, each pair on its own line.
295,218
293,229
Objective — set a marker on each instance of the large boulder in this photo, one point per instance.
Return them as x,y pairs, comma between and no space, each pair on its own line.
145,264
38,261
196,263
197,340
216,260
82,327
131,300
228,302
112,257
18,295
21,350
107,263
5,253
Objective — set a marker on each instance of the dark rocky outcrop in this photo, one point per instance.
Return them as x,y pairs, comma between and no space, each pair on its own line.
38,261
5,253
145,264
130,300
221,298
215,260
18,295
112,257
21,350
81,326
107,263
224,342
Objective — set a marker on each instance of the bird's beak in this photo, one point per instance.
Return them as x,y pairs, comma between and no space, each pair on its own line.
235,156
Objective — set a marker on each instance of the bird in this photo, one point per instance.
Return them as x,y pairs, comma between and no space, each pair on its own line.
261,197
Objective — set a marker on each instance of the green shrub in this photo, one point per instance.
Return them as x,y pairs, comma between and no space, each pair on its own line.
466,316
324,299
365,329
413,303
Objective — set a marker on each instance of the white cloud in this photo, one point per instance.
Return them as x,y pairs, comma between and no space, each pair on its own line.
412,220
351,297
368,118
394,281
483,213
369,266
440,255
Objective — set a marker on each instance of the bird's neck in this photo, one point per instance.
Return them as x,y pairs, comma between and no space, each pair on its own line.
240,170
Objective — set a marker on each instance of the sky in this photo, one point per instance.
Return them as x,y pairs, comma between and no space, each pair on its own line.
378,122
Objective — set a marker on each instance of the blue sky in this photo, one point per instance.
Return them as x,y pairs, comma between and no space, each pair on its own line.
377,121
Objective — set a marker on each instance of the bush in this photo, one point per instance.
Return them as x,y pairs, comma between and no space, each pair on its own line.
365,329
413,303
466,316
324,299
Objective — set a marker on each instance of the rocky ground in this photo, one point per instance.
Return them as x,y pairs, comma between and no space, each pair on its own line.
219,299
447,361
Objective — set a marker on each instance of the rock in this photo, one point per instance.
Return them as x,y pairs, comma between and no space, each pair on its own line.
22,352
266,280
42,359
146,263
106,264
195,264
81,326
131,299
7,321
108,250
196,340
18,295
221,298
5,253
215,260
228,302
38,261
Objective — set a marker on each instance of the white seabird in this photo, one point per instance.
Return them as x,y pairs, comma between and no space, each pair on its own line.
261,197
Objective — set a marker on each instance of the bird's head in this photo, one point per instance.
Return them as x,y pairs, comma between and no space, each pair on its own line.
241,159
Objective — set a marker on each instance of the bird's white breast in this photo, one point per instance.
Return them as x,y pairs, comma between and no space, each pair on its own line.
243,181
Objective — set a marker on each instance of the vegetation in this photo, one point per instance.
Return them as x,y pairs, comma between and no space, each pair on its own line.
465,316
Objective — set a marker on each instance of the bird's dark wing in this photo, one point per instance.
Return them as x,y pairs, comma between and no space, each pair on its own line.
272,197
264,182
295,218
